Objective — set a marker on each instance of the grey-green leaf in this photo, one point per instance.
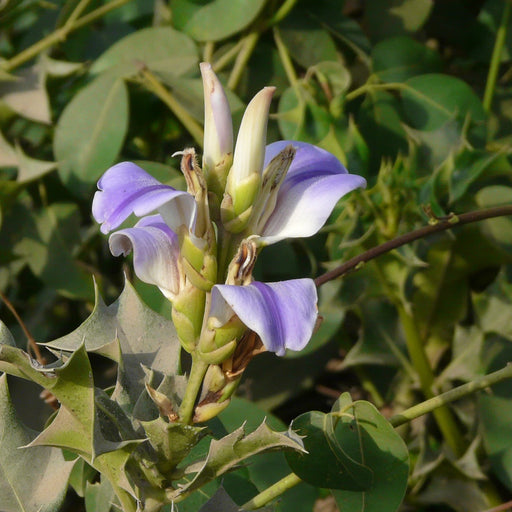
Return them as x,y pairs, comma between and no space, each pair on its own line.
31,479
90,132
159,49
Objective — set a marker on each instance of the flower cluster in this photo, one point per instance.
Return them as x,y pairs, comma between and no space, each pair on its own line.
200,246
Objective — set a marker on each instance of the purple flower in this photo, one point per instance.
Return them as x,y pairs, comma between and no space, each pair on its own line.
283,314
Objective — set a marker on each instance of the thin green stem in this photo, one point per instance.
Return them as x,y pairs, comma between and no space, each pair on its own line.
286,61
227,57
450,396
154,85
59,35
208,50
282,12
370,87
195,380
442,414
272,492
77,12
242,58
494,67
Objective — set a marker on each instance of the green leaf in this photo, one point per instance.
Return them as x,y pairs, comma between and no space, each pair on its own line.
380,336
30,169
381,126
172,441
267,468
301,118
27,95
495,413
213,20
396,17
227,453
90,132
441,290
145,338
399,58
31,479
48,248
326,462
159,49
306,39
99,497
496,195
431,100
385,453
220,501
473,166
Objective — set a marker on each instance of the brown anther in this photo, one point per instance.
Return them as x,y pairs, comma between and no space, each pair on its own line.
242,265
249,346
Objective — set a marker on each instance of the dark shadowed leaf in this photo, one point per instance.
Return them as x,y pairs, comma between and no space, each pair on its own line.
327,463
385,453
399,58
53,234
431,100
306,39
396,17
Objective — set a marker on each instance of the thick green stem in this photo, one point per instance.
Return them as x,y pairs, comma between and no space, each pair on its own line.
192,126
195,380
450,396
272,492
494,67
442,414
59,35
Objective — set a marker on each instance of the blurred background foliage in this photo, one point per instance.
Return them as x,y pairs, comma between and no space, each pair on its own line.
407,93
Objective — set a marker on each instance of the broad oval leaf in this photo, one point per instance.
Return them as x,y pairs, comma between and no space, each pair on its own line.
214,20
327,463
385,453
431,100
399,58
90,132
306,39
160,49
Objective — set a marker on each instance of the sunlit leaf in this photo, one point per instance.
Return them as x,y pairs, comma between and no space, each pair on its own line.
27,96
228,452
90,132
214,20
31,479
159,49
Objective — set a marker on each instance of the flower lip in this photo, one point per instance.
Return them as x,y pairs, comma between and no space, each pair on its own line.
315,181
283,314
125,188
155,253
